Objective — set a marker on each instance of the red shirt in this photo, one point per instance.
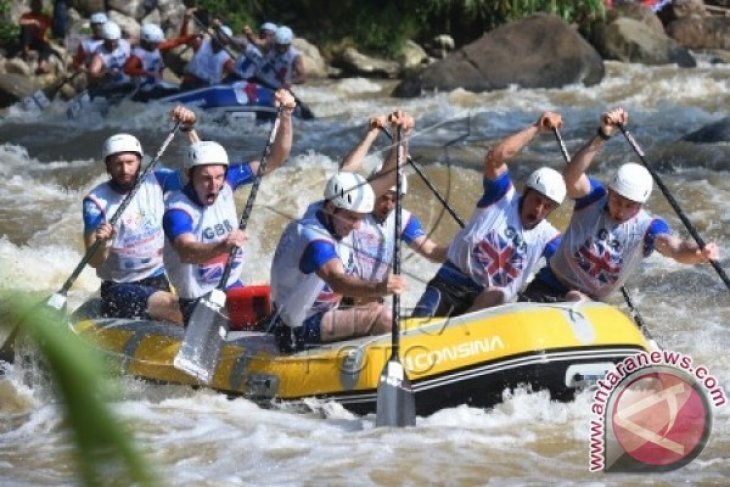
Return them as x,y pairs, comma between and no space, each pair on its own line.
40,26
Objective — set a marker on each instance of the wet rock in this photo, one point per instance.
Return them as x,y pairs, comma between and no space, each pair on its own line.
129,25
412,56
314,64
131,8
540,51
638,12
354,63
14,87
713,133
701,32
629,40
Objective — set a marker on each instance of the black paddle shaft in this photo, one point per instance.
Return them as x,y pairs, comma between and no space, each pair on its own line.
251,197
395,335
625,292
118,214
673,203
430,185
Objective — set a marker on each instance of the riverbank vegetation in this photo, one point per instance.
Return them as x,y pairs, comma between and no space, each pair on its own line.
382,26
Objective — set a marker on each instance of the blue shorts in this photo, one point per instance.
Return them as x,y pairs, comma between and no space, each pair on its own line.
129,299
449,293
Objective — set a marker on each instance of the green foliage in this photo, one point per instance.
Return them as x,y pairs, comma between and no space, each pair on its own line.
100,438
9,29
234,13
383,26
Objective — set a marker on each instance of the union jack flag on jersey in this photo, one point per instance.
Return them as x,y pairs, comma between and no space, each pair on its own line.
599,260
500,261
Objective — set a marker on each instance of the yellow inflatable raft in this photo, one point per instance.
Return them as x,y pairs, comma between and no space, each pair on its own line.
471,359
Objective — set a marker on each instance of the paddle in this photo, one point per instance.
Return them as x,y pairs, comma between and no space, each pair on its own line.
58,300
41,99
203,338
396,403
673,203
304,110
429,184
629,302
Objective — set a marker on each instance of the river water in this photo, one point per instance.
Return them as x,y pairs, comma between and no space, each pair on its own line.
198,437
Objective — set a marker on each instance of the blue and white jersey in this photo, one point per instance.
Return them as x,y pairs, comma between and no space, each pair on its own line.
151,62
136,249
208,65
89,45
278,68
184,214
597,254
249,61
494,249
114,61
305,246
375,243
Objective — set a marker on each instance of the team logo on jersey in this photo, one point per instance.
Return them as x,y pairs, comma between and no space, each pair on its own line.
211,271
500,259
600,260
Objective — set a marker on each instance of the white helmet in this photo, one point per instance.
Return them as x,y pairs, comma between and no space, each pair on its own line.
633,181
205,153
268,26
152,33
350,191
403,180
98,18
283,36
111,31
548,182
227,31
121,143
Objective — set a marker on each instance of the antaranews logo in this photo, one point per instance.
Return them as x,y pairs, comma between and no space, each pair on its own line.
652,413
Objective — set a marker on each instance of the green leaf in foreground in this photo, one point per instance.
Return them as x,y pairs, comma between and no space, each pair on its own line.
101,439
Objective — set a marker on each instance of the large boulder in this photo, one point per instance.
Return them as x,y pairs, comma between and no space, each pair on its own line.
639,12
713,133
540,51
354,63
130,27
130,8
14,87
88,7
701,32
314,64
629,40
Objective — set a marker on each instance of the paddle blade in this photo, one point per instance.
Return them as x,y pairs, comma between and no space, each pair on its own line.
396,404
57,301
79,103
38,101
203,339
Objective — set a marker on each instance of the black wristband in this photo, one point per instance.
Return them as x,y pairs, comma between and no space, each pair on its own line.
186,128
603,135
